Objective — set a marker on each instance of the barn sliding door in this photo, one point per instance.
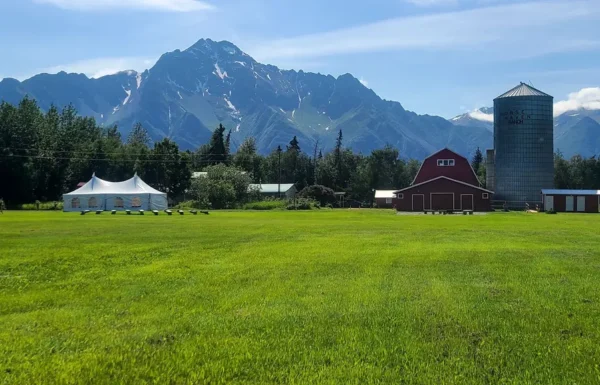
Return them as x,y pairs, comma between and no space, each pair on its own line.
549,203
570,204
581,204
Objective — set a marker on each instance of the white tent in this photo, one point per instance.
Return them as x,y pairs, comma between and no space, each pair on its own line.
98,194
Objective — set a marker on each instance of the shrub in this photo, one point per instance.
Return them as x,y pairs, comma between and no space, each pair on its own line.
551,212
318,193
266,205
301,204
224,187
41,206
188,205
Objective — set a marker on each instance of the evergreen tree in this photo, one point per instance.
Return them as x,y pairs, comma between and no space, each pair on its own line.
217,150
338,160
477,161
228,145
294,145
138,136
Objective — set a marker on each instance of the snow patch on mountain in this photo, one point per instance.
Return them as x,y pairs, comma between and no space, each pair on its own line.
128,92
241,63
178,93
219,72
230,105
138,80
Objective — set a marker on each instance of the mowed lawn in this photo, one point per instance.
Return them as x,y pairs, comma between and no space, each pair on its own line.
352,296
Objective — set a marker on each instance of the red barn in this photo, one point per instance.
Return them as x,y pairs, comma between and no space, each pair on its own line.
446,181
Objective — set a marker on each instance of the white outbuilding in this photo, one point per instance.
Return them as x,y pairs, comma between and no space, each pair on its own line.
98,194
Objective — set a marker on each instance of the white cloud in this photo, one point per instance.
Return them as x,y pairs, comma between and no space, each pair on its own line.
496,29
157,5
364,82
99,67
584,99
478,115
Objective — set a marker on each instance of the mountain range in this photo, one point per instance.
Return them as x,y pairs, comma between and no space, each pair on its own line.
186,94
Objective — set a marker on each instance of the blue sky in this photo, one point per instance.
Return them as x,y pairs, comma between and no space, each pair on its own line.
440,57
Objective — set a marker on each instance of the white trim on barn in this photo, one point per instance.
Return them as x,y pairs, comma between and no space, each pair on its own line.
472,201
444,177
413,200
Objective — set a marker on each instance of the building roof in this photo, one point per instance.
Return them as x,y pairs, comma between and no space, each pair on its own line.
523,90
570,192
272,188
203,174
443,177
384,194
438,152
96,186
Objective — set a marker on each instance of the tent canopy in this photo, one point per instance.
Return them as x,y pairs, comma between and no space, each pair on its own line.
97,193
97,186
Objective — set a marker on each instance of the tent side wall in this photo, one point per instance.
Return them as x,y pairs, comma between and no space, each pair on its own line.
119,202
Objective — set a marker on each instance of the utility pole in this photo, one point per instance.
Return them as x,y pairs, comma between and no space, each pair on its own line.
279,185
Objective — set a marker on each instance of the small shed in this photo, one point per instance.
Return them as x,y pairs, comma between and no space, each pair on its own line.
577,201
385,198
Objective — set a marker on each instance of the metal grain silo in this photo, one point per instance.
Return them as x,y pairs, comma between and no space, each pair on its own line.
523,144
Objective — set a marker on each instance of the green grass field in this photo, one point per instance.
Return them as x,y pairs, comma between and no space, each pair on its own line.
299,297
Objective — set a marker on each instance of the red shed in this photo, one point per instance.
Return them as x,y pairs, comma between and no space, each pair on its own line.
445,181
581,201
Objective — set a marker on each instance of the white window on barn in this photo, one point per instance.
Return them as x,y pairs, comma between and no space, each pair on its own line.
400,196
388,200
485,196
446,162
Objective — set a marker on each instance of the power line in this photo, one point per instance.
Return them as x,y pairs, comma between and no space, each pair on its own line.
149,153
108,159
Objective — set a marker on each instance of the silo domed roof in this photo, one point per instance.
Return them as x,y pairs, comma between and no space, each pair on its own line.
523,90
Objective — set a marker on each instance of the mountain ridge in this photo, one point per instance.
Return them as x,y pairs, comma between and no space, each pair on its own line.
187,93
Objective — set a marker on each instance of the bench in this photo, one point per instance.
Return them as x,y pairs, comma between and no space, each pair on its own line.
114,212
155,212
169,212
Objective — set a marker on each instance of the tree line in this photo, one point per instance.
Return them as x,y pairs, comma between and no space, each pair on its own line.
44,154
